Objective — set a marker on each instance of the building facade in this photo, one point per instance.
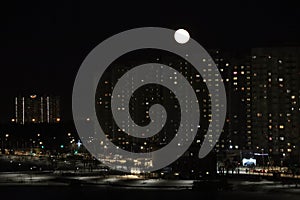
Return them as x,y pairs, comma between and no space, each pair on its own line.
235,68
275,103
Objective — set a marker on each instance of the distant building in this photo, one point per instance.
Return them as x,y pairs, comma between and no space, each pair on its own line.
263,114
37,109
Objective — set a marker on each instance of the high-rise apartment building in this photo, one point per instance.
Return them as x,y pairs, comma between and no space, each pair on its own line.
275,102
235,68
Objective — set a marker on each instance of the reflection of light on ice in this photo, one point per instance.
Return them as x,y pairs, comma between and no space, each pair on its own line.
121,163
131,176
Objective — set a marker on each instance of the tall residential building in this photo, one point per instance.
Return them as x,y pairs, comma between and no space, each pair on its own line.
235,68
146,96
37,109
275,102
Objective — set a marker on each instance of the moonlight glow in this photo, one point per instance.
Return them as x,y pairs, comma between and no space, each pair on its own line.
182,36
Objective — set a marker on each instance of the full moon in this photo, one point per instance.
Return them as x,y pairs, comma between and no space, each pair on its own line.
182,36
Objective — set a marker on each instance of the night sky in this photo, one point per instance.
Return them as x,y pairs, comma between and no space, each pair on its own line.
43,44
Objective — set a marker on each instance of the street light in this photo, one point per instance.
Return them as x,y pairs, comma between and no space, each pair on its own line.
263,158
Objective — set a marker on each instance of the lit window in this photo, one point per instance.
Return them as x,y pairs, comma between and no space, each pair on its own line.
280,79
270,127
281,126
281,138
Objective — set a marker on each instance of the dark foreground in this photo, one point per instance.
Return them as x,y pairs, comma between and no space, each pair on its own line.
84,192
49,185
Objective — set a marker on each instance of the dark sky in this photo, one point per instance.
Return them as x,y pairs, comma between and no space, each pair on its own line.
43,44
